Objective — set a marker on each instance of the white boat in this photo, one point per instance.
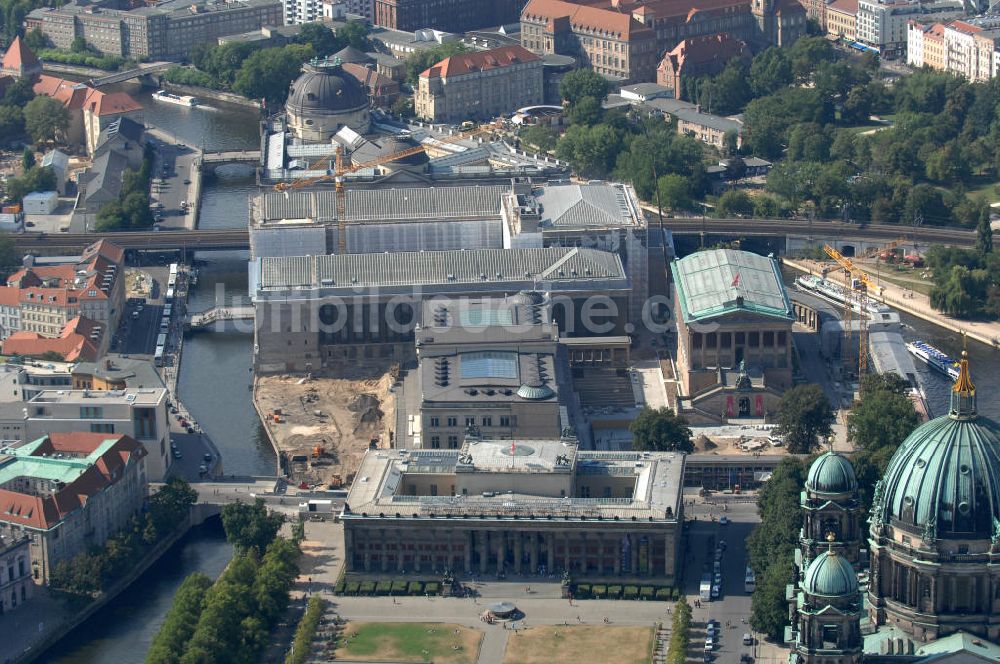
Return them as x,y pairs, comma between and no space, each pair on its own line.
180,100
834,293
934,358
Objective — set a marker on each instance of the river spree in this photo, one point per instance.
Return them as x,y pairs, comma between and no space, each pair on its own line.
123,631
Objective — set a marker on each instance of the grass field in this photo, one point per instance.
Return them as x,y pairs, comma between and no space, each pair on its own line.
580,644
409,642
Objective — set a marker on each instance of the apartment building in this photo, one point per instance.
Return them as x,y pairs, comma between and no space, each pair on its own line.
49,297
841,19
480,85
967,47
448,15
885,25
165,30
138,413
69,492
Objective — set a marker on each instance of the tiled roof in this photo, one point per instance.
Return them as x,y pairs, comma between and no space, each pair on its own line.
106,174
465,63
113,103
607,21
721,281
719,48
75,95
77,342
844,6
439,267
90,462
19,56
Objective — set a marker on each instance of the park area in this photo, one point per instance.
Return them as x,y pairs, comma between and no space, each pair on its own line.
580,644
440,643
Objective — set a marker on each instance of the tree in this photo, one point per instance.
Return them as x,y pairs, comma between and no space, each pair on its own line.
805,414
27,159
770,71
984,233
586,110
734,203
403,107
79,45
881,417
19,93
180,622
267,73
660,430
581,83
541,136
37,178
9,256
673,192
320,38
355,35
250,526
36,40
421,60
45,119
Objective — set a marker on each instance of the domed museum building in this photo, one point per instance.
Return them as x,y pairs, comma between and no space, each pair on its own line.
323,99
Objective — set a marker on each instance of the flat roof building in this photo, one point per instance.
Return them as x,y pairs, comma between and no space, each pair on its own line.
522,507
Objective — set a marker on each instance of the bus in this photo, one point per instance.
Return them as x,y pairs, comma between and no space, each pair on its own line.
170,295
750,582
705,590
158,356
173,269
161,340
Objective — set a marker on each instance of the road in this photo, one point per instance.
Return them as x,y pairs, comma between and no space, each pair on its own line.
174,172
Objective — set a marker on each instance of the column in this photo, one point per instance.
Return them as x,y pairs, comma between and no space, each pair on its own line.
384,562
668,556
367,543
617,562
533,549
500,544
470,541
349,544
550,562
518,551
484,551
399,551
566,551
634,551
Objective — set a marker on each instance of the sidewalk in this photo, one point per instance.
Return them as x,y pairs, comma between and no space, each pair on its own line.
41,616
911,302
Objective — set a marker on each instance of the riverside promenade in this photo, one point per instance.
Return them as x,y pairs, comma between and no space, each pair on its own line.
909,301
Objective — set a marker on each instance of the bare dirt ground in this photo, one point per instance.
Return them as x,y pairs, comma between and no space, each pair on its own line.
326,422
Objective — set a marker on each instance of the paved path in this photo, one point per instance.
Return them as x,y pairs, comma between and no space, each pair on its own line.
914,303
176,183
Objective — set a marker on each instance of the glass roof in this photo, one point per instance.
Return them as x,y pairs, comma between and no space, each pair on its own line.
478,316
488,364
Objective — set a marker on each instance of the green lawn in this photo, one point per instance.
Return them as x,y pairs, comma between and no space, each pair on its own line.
984,186
441,643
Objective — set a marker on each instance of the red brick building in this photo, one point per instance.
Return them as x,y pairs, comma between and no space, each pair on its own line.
698,56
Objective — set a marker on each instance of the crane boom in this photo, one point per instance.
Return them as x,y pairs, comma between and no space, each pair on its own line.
861,296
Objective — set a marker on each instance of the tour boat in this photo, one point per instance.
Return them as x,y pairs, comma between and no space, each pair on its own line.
180,100
933,357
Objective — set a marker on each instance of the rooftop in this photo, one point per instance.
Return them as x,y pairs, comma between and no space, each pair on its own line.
478,61
655,494
596,204
511,269
721,281
138,397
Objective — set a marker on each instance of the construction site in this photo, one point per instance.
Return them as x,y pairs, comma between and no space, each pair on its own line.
322,423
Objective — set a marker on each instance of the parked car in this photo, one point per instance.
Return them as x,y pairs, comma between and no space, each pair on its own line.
723,521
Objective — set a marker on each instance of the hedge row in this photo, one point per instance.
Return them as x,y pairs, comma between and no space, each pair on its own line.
601,591
304,633
397,588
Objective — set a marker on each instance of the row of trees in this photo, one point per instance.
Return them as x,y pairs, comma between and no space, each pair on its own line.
91,572
131,211
264,73
680,634
229,621
306,630
660,430
771,546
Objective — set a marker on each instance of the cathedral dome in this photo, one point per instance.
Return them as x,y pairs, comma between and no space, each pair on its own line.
830,575
325,88
944,480
831,473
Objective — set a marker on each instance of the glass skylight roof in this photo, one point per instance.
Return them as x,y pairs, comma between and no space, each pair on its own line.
489,364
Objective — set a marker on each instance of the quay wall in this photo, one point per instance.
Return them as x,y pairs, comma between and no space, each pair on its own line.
208,93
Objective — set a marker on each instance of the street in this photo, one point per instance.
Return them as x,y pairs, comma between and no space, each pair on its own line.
174,175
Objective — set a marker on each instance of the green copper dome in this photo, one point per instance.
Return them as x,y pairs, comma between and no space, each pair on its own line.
830,575
831,473
944,480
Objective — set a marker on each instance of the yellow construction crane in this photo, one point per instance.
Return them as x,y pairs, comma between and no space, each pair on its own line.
889,246
856,290
341,169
